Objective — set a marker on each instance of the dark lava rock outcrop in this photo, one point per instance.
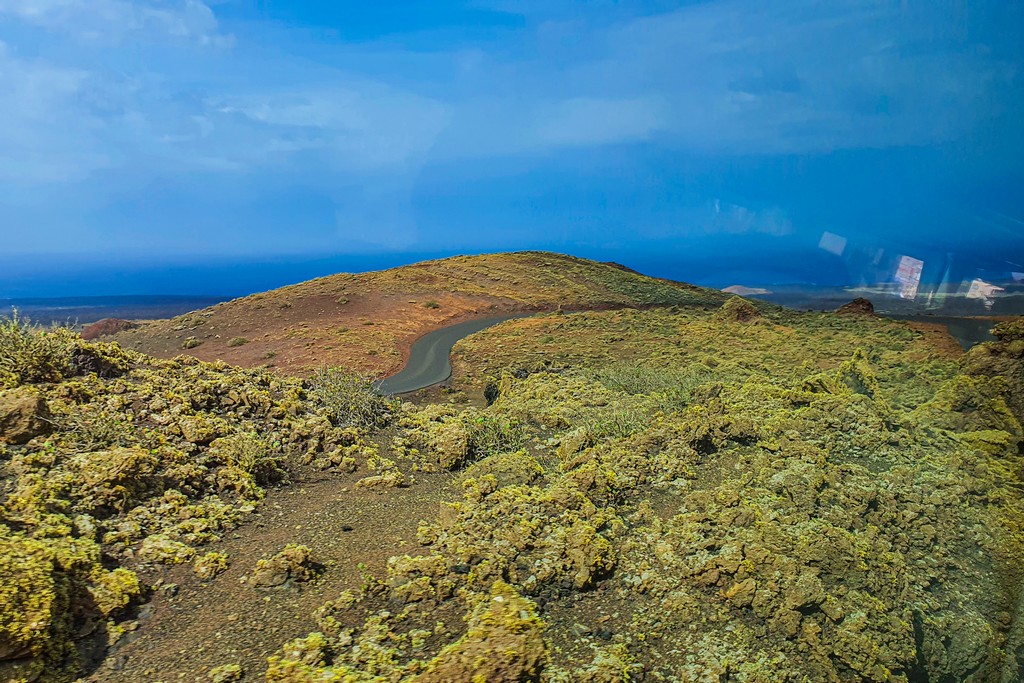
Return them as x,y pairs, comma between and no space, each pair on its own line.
859,306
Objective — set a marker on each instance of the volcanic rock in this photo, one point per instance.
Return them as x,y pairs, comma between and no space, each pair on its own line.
859,306
23,415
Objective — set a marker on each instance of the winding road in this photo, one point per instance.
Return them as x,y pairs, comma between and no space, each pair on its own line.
429,361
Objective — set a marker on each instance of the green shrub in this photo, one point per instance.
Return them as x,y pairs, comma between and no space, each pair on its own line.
673,386
90,427
492,434
249,463
238,341
30,353
190,343
614,421
432,304
350,400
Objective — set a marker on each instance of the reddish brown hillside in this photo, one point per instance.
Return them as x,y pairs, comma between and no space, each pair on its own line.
107,327
368,321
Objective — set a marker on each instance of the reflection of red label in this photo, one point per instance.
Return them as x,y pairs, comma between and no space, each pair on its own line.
908,276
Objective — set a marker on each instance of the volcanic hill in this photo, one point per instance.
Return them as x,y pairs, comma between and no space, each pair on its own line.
368,321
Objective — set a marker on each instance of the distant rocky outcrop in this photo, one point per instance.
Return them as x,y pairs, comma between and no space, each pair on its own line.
738,310
106,327
619,266
859,306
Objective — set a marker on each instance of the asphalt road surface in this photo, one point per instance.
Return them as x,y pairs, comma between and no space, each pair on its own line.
429,362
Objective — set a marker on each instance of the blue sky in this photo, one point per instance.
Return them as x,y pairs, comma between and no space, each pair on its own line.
705,138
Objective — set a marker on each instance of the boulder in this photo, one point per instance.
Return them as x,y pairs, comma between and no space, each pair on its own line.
23,415
293,564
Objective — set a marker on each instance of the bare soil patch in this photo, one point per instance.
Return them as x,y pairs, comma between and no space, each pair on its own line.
187,629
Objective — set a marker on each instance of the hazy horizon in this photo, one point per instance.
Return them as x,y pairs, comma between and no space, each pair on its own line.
69,278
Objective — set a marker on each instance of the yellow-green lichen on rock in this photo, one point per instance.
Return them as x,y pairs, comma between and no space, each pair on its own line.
113,461
686,494
502,642
209,565
294,563
33,608
836,519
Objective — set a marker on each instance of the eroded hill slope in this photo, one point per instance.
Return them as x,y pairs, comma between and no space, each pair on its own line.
368,321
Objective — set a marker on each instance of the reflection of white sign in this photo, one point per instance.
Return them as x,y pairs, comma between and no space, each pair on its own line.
1019,277
980,289
835,244
908,276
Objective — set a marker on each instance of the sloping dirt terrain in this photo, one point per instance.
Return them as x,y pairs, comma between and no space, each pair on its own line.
192,625
368,321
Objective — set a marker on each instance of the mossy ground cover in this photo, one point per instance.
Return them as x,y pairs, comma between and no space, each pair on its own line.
821,499
690,346
650,495
132,465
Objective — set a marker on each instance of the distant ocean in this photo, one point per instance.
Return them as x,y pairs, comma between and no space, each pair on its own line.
55,277
83,310
202,277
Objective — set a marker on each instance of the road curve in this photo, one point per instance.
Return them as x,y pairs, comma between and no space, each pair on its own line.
429,359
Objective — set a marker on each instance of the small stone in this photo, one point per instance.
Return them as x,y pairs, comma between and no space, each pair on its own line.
741,594
579,630
225,673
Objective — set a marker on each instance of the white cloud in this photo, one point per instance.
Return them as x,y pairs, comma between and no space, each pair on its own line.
722,77
718,77
114,21
597,121
44,133
786,77
360,123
